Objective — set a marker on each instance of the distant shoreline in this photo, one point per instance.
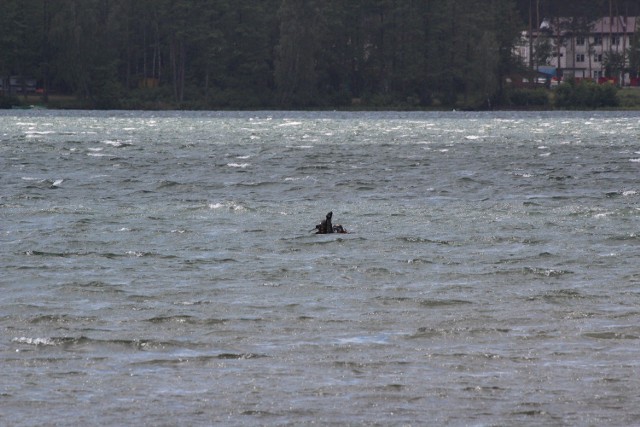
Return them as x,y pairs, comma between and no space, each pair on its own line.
629,98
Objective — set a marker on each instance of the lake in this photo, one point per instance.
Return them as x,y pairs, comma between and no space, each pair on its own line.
161,268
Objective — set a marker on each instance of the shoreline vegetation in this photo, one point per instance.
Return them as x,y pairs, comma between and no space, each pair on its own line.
567,96
295,55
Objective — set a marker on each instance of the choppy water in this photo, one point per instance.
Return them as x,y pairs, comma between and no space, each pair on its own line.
159,269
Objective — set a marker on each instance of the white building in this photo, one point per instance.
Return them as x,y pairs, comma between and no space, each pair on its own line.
580,49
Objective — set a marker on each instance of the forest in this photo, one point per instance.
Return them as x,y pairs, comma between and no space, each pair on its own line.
281,54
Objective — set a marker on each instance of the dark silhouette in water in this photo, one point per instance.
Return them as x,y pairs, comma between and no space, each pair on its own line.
325,227
339,229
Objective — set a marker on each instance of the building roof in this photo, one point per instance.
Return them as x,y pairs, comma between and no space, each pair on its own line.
617,24
604,25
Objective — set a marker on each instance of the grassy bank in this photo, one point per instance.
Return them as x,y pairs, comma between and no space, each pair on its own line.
629,98
66,102
537,99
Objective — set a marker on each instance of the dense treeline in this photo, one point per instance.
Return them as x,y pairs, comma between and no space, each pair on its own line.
272,53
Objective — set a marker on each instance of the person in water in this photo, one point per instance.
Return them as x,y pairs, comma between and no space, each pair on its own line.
325,227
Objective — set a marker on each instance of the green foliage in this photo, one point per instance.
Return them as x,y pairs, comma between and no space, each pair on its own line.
296,53
542,51
629,98
529,98
585,95
239,54
8,101
614,63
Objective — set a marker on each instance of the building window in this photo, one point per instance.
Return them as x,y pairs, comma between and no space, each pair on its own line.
615,40
597,40
597,74
580,57
597,57
580,41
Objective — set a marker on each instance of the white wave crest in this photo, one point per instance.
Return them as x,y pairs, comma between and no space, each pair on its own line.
39,132
301,178
116,143
229,205
34,341
290,124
